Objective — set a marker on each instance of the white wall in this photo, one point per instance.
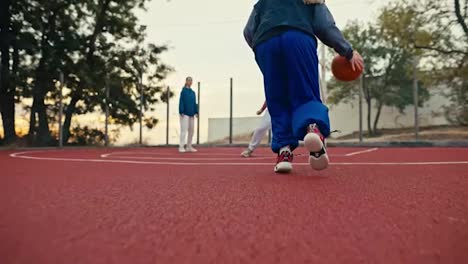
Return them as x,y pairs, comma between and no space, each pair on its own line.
218,128
345,117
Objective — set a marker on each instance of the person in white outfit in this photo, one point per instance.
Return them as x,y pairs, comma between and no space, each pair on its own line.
259,132
188,110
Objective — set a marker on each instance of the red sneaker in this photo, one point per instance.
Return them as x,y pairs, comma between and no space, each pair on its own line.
314,142
284,161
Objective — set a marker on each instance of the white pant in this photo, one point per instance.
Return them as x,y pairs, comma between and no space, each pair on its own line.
260,131
186,125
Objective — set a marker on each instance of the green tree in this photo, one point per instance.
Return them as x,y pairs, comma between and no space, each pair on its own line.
451,48
112,51
94,43
443,44
131,67
56,43
387,79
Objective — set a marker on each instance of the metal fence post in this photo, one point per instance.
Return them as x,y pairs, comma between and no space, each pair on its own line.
361,90
198,119
61,79
416,99
141,109
230,114
168,96
106,136
323,83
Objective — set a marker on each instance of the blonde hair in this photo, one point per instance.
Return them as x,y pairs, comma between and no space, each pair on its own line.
311,2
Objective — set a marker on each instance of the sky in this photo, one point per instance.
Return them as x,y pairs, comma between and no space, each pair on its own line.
206,42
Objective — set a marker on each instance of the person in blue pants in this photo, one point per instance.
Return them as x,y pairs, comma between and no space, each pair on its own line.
283,34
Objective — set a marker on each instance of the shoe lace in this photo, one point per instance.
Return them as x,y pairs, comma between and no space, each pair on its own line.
285,156
314,129
318,154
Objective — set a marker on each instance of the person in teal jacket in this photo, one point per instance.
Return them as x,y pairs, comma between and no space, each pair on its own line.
188,110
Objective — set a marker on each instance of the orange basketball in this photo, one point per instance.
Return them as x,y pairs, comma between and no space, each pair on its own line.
342,70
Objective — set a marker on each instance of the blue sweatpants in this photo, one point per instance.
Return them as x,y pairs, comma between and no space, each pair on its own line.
289,64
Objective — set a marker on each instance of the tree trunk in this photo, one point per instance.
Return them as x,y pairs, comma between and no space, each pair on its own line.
68,117
369,117
42,137
91,48
7,91
368,98
377,116
42,82
15,59
32,124
39,134
43,133
460,18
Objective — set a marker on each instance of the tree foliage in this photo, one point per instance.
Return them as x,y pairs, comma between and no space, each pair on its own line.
441,39
96,44
433,32
387,80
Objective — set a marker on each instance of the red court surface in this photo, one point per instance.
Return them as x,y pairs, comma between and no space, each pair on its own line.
154,205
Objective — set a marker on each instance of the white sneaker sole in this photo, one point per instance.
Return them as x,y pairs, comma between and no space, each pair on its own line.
283,167
313,143
320,163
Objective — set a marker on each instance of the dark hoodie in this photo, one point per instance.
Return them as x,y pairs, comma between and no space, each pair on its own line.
271,18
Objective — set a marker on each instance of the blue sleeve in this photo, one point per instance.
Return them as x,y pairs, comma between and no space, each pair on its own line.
182,103
195,105
325,29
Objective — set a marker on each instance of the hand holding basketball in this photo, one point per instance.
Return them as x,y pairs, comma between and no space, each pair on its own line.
348,70
357,63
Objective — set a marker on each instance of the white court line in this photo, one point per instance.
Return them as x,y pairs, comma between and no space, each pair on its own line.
22,155
106,155
196,156
361,152
187,158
